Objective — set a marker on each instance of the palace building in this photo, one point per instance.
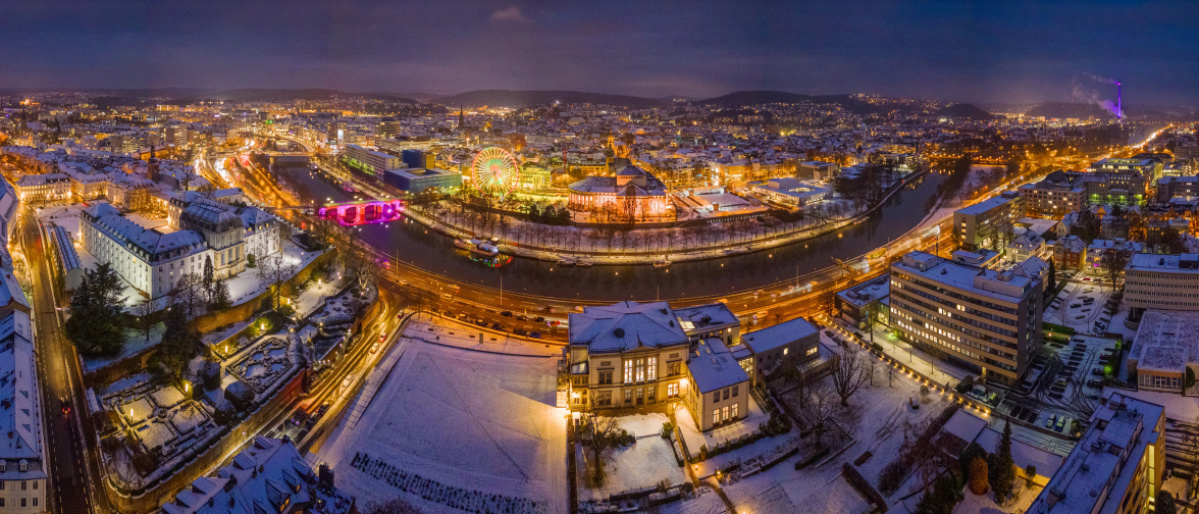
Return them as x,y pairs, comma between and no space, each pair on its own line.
633,194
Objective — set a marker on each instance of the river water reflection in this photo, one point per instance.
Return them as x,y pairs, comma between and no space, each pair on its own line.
413,243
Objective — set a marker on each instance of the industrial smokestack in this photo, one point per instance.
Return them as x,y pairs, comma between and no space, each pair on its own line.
1119,102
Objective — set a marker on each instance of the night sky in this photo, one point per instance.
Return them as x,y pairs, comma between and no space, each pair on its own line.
993,51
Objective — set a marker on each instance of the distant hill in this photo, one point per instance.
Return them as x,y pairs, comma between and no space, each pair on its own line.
748,98
519,98
742,98
1068,110
966,111
184,95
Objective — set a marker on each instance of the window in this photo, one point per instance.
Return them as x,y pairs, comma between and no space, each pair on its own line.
605,376
35,501
734,411
735,388
628,396
640,367
786,350
812,351
652,394
725,413
628,371
674,368
22,502
22,485
726,393
672,390
652,368
716,416
1,502
716,396
35,485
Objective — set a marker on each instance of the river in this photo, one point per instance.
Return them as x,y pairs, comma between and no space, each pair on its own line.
429,250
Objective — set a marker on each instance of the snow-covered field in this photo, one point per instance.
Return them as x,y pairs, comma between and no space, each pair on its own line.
450,428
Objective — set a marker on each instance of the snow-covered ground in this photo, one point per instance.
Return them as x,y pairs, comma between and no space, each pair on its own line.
878,416
457,426
135,342
642,465
1070,309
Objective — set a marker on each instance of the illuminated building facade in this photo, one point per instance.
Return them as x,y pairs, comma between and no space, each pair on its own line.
632,195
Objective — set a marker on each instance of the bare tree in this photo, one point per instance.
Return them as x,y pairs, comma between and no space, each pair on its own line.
272,271
890,375
190,292
848,375
819,410
1113,262
144,311
599,435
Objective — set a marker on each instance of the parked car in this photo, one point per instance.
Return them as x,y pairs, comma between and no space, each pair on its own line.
1049,422
506,314
539,319
535,335
521,332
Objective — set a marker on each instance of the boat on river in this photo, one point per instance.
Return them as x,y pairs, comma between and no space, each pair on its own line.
478,247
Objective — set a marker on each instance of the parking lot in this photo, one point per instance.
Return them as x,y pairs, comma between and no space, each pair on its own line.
1084,305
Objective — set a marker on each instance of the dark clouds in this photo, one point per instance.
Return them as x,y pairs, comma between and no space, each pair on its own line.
983,51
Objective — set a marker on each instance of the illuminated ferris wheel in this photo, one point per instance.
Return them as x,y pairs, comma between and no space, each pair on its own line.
494,170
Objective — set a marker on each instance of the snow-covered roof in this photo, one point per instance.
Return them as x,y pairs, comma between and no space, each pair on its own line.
626,326
1164,341
268,476
701,318
108,221
713,367
984,206
1112,448
771,338
866,292
1182,263
1007,285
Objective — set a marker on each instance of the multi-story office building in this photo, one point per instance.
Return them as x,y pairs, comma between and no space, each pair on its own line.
415,180
1162,282
1147,168
986,320
1063,192
371,161
1186,152
988,224
418,158
816,170
1116,467
1182,188
870,298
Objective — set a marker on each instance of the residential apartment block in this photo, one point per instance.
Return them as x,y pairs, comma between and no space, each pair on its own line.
1116,467
985,320
988,224
1163,350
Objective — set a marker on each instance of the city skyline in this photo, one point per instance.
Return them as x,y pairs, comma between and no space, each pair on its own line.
1015,53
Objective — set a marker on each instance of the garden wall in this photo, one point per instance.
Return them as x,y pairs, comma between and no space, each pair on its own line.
243,311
